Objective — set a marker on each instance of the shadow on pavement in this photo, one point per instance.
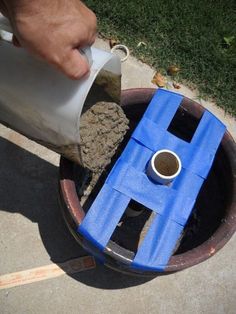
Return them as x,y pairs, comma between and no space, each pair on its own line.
28,186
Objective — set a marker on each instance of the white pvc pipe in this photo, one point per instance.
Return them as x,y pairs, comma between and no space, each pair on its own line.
164,166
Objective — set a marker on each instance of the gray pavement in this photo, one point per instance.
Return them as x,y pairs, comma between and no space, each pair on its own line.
33,234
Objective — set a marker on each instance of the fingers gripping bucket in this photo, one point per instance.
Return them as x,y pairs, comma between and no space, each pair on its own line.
44,105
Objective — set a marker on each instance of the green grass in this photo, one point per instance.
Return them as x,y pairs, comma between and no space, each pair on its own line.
187,33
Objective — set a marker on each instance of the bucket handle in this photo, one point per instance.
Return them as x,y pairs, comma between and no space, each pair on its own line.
6,26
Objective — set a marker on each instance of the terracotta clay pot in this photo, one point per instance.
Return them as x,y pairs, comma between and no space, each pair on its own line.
214,219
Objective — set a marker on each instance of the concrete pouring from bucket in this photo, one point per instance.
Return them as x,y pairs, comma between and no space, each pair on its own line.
212,222
102,129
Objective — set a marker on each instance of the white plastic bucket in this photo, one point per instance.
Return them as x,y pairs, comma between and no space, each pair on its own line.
41,103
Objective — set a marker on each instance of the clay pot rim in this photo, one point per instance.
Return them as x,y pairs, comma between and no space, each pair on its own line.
191,257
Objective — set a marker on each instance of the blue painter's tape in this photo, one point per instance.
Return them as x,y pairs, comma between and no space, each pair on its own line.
185,180
135,184
136,155
153,136
163,107
150,135
156,248
204,144
128,181
89,247
98,227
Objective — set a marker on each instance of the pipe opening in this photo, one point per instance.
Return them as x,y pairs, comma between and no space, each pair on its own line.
181,121
166,164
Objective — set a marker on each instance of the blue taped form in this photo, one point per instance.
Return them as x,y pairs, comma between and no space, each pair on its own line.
128,181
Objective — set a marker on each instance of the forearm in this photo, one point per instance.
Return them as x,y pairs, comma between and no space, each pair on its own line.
19,9
31,6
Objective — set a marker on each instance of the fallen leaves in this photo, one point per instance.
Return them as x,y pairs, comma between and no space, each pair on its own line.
162,80
176,85
173,70
113,42
159,80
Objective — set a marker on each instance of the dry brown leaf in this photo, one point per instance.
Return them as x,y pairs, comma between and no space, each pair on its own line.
176,85
173,70
113,42
159,80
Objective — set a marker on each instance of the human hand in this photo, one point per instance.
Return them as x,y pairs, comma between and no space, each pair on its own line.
53,30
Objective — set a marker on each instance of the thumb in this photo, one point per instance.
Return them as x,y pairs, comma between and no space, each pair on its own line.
75,65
